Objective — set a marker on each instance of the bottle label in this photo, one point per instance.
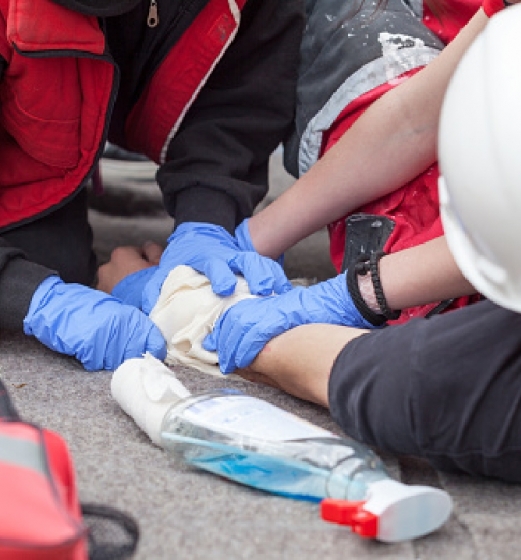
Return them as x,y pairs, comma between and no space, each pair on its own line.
251,417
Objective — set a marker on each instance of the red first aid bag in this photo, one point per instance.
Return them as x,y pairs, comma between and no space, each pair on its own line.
40,515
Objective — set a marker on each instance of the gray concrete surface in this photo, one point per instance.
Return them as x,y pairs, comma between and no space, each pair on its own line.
186,514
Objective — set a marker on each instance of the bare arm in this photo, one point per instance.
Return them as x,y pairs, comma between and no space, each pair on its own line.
299,361
389,145
422,274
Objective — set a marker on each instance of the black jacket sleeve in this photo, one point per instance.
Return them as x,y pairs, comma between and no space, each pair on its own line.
19,279
217,164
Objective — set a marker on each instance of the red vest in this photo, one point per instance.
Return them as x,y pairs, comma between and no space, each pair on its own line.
54,104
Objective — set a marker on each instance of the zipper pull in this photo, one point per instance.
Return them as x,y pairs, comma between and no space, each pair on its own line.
153,18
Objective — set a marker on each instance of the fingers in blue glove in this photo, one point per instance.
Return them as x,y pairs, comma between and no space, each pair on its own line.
130,289
229,331
266,280
97,329
263,275
152,290
155,344
217,342
221,277
153,341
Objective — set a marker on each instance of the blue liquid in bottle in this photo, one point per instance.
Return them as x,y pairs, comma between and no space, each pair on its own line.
226,433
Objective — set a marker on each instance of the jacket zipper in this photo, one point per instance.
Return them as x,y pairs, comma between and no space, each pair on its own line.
153,18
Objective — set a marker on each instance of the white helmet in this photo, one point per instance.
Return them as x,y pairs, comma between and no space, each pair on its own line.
479,152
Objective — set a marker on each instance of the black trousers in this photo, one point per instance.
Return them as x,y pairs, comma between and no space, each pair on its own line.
447,389
61,241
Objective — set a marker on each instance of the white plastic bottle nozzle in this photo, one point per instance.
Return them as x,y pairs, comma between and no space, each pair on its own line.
392,512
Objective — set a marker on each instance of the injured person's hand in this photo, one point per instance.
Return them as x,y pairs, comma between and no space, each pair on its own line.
128,271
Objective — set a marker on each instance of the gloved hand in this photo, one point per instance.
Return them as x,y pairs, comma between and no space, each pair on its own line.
91,325
244,241
130,290
245,328
212,251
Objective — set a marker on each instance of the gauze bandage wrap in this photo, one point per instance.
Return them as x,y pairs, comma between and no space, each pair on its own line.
145,389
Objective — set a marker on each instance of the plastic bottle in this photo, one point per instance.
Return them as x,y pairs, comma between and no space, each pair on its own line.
252,442
255,443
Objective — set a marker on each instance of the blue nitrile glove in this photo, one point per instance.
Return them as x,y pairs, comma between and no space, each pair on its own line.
130,289
243,237
96,328
246,327
212,251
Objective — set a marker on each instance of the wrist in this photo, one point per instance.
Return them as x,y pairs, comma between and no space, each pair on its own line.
43,291
42,296
245,241
365,288
243,237
206,205
199,228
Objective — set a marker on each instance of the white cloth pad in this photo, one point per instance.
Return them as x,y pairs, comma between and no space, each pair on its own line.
185,313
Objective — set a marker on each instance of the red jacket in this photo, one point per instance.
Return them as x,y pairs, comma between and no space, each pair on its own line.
208,93
59,88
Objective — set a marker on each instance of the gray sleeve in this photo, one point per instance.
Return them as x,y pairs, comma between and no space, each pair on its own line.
350,48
